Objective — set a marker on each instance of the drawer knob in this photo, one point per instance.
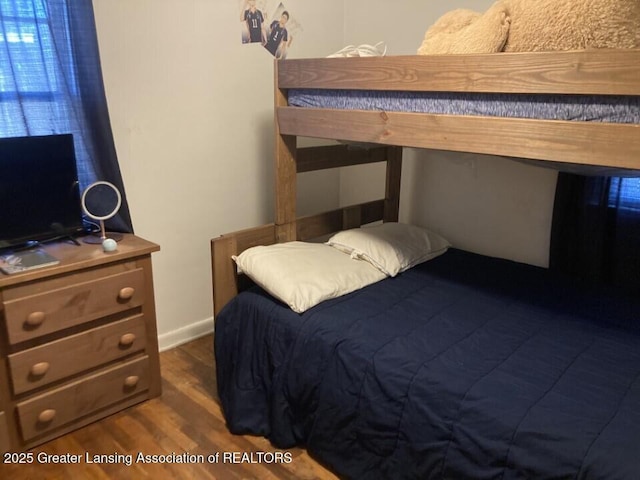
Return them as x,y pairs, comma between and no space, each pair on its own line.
126,293
39,369
46,415
131,381
127,339
35,319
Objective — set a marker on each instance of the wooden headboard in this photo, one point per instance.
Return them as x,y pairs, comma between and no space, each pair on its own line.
227,283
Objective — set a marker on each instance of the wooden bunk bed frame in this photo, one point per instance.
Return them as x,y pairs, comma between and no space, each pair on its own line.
595,72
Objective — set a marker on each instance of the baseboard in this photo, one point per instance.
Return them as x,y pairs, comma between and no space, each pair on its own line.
185,334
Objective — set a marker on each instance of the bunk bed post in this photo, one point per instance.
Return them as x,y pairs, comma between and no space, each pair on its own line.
285,172
225,285
392,187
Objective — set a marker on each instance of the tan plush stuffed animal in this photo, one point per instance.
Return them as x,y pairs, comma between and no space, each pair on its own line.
536,25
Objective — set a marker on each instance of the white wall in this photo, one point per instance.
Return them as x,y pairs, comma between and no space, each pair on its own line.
192,114
484,204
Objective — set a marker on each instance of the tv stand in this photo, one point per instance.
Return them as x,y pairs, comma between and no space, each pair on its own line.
72,239
78,340
39,243
61,238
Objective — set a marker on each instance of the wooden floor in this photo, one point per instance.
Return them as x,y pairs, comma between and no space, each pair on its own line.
186,418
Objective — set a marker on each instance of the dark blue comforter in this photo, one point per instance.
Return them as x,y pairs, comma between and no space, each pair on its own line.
463,367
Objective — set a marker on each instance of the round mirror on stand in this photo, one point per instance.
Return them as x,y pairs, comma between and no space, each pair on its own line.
101,201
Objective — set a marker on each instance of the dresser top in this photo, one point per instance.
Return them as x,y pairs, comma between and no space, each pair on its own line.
73,257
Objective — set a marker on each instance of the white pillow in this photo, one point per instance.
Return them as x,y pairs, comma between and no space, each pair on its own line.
390,247
304,274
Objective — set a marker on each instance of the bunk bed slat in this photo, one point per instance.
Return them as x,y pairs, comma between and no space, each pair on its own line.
585,143
334,156
583,72
353,216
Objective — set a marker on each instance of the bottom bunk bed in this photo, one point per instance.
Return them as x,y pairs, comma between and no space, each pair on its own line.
464,366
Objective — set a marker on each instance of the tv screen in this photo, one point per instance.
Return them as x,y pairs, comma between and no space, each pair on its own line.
39,190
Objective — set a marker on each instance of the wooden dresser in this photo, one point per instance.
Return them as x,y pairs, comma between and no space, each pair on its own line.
78,340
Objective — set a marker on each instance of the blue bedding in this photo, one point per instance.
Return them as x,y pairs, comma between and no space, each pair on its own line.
597,108
465,367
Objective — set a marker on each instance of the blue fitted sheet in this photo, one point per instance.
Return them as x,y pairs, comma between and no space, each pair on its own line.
463,367
600,108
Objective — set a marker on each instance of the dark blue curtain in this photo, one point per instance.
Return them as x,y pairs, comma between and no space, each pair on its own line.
595,233
51,83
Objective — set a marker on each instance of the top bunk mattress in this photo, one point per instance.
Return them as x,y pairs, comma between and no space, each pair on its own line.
589,108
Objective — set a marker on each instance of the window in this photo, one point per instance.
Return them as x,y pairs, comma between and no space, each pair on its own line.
51,82
37,80
624,193
27,53
31,77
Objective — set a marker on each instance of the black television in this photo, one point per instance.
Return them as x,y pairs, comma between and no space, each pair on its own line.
39,190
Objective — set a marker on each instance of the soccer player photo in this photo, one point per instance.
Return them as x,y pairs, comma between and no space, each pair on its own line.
278,36
253,23
273,31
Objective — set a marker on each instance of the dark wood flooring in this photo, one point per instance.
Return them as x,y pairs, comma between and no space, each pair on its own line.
186,418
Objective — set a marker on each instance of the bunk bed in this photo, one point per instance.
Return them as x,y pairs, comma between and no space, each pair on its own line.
463,366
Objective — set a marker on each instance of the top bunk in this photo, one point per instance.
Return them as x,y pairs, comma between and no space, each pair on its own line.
594,144
573,109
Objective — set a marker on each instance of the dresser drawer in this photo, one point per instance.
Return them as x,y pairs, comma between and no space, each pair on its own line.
62,358
64,405
35,315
